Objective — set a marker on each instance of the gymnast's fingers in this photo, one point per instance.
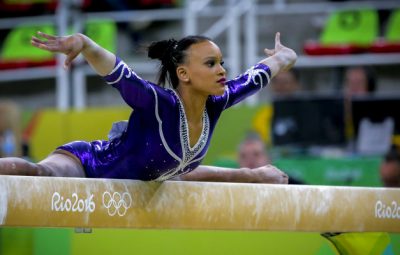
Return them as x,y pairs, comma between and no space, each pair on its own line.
269,52
277,39
37,40
39,43
47,36
70,58
44,45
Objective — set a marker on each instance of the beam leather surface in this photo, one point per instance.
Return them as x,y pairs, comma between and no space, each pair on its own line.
105,203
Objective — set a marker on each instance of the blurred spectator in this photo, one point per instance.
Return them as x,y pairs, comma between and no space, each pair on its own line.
252,153
359,81
286,83
10,135
390,169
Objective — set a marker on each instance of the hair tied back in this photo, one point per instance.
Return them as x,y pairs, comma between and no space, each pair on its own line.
162,50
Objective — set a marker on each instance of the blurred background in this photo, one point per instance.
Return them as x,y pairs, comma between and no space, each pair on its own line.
333,120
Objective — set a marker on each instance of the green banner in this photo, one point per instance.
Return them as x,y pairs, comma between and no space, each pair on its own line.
341,171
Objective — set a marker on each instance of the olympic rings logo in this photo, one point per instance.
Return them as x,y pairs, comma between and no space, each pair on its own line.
117,203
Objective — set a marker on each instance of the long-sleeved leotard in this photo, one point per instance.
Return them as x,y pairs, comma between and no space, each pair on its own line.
155,143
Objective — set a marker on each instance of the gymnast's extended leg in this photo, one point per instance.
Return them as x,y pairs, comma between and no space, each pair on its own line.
59,163
18,166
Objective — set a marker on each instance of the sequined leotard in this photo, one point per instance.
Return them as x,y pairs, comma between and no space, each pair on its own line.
154,144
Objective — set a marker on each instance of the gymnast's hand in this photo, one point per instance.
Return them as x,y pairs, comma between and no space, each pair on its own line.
269,174
70,45
281,58
101,60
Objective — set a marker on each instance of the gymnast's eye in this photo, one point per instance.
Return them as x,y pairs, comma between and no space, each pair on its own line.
210,63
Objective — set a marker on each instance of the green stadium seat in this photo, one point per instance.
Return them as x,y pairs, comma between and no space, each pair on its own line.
391,40
393,27
17,51
346,32
103,32
351,27
17,44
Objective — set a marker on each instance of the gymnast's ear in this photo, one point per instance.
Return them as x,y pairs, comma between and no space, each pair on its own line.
182,73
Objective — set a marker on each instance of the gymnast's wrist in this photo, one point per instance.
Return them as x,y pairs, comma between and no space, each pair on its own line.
285,59
84,40
280,61
246,175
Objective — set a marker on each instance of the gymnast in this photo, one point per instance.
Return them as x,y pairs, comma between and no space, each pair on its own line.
170,127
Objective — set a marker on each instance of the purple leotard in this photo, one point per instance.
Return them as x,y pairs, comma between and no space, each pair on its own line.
154,144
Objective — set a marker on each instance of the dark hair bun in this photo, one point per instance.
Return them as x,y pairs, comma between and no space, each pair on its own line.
161,49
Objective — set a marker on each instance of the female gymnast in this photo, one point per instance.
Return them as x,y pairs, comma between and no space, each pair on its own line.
169,130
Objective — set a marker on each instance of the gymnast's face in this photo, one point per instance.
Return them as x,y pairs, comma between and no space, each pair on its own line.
203,72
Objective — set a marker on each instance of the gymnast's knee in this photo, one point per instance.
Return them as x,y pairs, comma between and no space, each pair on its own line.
61,164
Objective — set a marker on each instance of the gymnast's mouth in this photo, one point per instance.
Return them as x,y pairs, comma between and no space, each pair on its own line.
222,81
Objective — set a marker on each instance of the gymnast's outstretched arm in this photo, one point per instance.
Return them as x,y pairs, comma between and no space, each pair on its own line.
100,59
264,174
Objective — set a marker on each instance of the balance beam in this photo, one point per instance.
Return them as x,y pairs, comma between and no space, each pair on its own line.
105,203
